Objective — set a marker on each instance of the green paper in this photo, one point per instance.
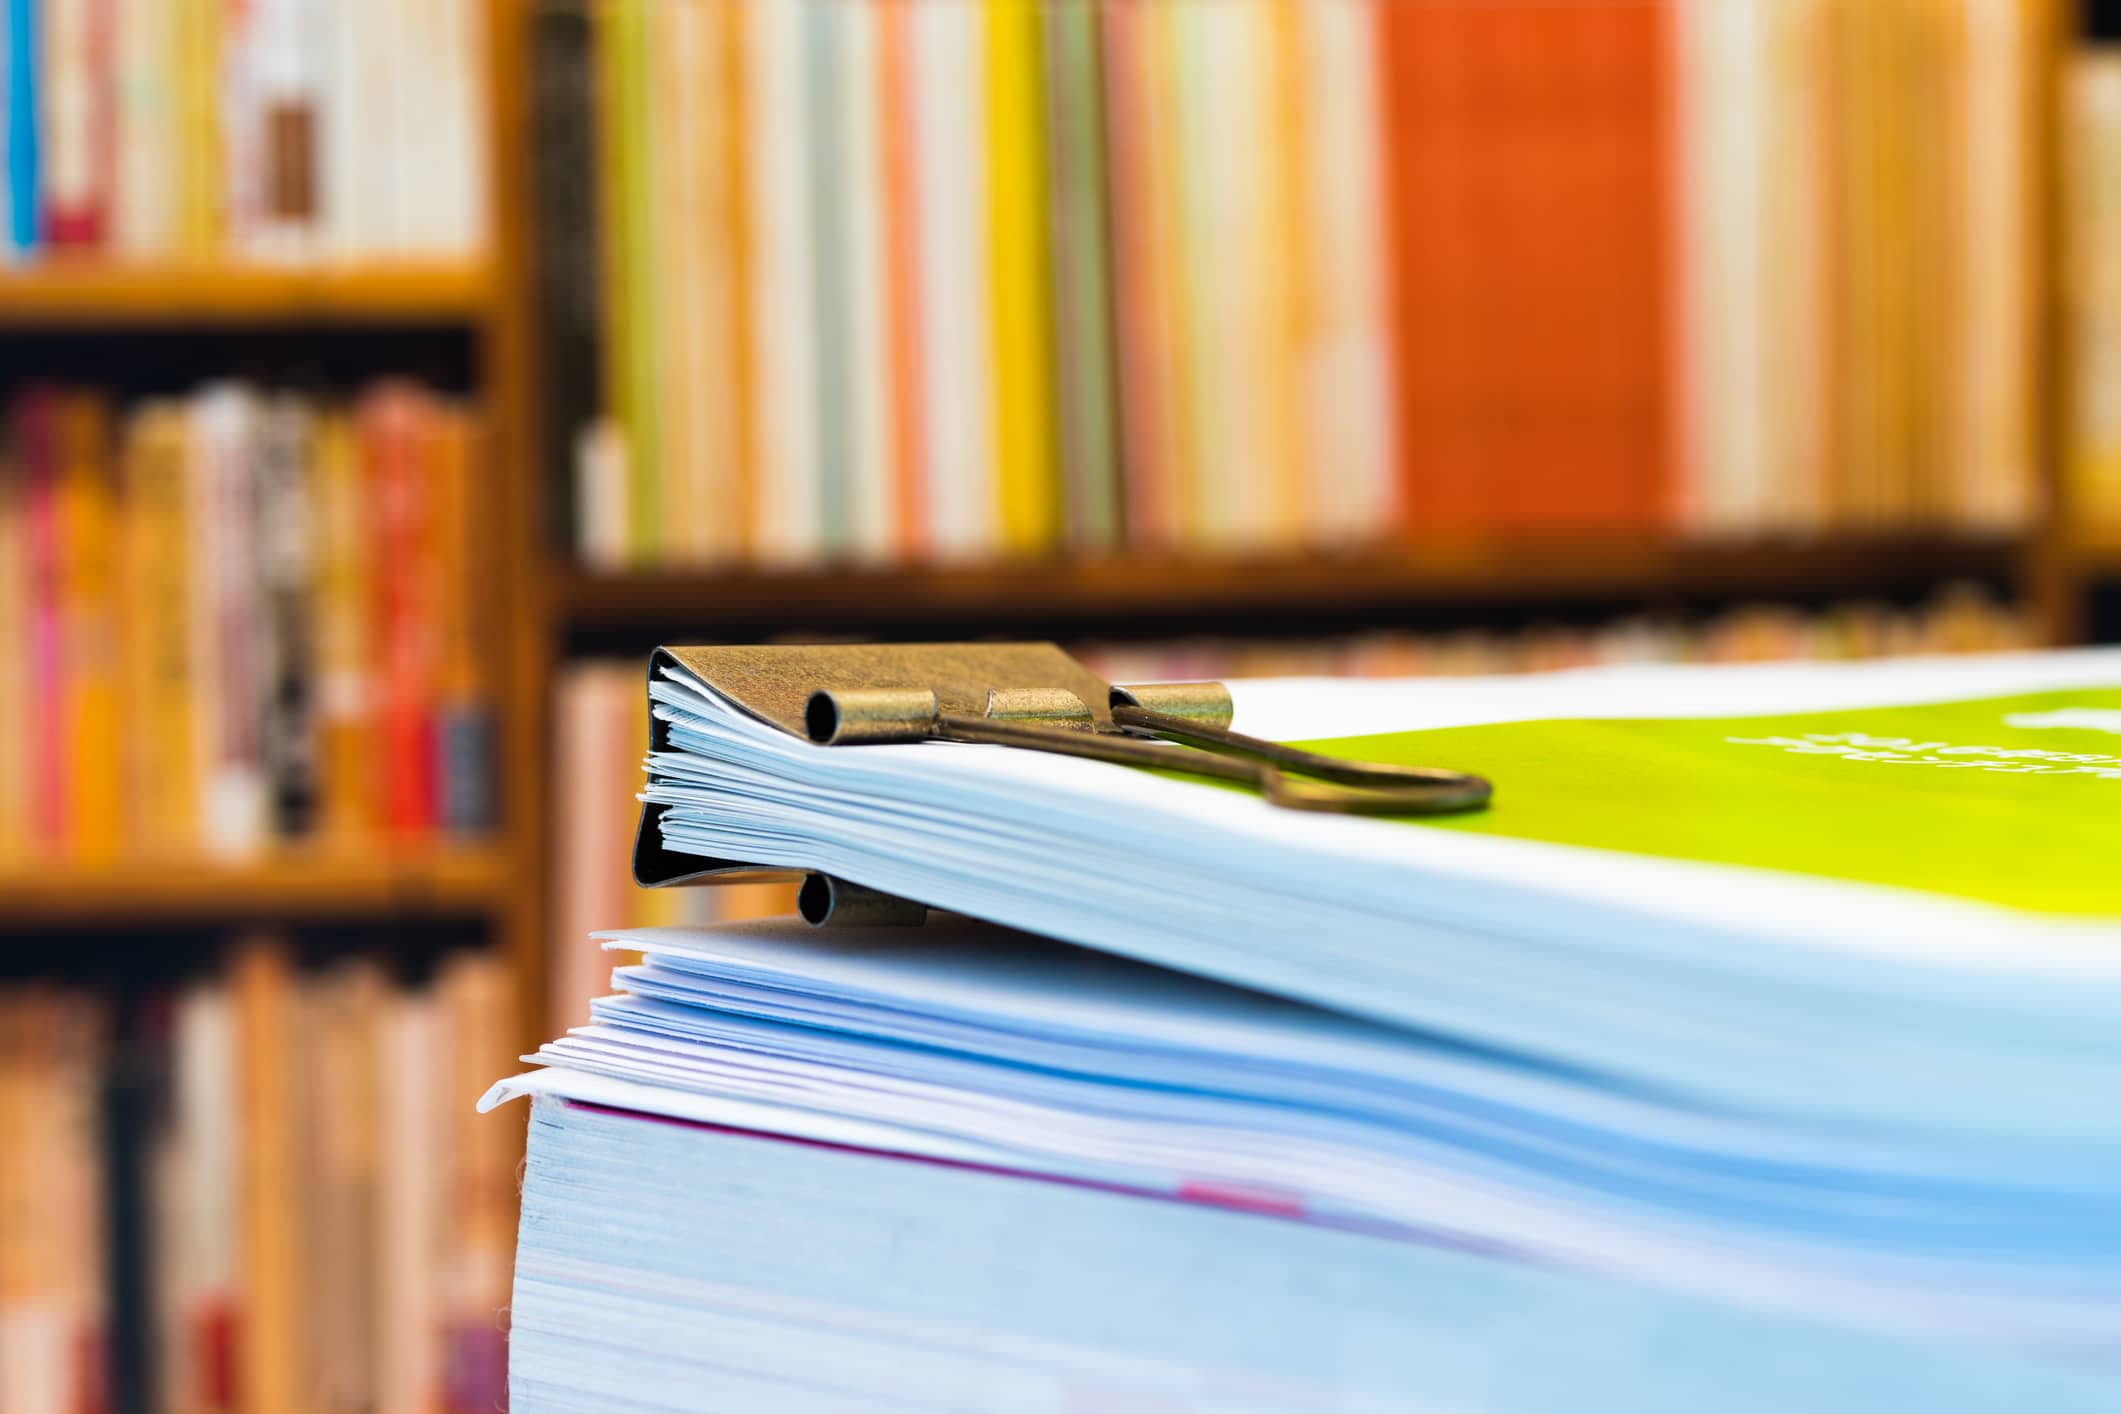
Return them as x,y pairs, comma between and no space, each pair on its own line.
2006,800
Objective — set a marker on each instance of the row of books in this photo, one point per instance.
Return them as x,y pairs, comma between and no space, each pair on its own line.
263,1191
893,281
2090,287
242,618
601,729
280,129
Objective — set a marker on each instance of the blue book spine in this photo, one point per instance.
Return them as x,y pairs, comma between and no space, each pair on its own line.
20,121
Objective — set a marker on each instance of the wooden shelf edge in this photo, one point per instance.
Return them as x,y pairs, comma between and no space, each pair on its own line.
1530,570
79,294
459,880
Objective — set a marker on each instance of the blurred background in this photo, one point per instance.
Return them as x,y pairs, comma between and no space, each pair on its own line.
380,379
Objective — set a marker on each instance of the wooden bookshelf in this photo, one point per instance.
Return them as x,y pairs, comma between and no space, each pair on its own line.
1532,571
64,294
458,881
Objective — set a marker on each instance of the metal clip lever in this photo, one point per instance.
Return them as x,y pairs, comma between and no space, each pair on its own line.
1058,722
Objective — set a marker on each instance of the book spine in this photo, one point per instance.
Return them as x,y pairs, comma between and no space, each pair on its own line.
287,91
147,141
159,684
955,287
409,1236
476,997
464,720
89,699
630,98
1082,282
262,993
784,354
904,370
864,521
569,289
36,415
229,628
395,432
286,550
1030,511
825,166
16,748
1142,347
343,604
1343,354
2091,288
202,216
1993,387
77,95
674,90
22,154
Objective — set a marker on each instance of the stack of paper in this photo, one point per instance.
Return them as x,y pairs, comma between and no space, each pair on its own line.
1761,1053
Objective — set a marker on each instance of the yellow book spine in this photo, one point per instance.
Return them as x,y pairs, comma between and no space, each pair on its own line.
345,692
159,683
1030,502
198,81
729,231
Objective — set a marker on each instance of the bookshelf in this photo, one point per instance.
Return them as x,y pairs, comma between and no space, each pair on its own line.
1415,576
454,883
76,295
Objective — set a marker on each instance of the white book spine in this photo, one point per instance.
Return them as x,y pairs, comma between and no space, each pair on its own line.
784,354
223,440
1347,442
869,480
956,300
1721,433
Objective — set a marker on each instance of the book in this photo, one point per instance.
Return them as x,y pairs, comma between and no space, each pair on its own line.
1282,277
1754,1046
281,131
1966,799
211,663
213,1199
2090,281
21,151
872,1166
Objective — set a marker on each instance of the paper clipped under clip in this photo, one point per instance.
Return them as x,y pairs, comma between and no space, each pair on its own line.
1031,696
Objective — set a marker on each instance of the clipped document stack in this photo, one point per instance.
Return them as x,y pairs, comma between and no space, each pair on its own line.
1759,1048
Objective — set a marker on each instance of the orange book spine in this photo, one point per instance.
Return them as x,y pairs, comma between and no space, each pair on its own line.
908,451
87,617
344,607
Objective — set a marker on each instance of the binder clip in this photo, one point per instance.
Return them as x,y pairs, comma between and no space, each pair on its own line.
1030,696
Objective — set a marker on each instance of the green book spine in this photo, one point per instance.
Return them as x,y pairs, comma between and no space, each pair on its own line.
635,343
829,216
1083,348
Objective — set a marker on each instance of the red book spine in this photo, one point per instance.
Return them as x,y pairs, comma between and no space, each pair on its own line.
1527,197
79,118
393,427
